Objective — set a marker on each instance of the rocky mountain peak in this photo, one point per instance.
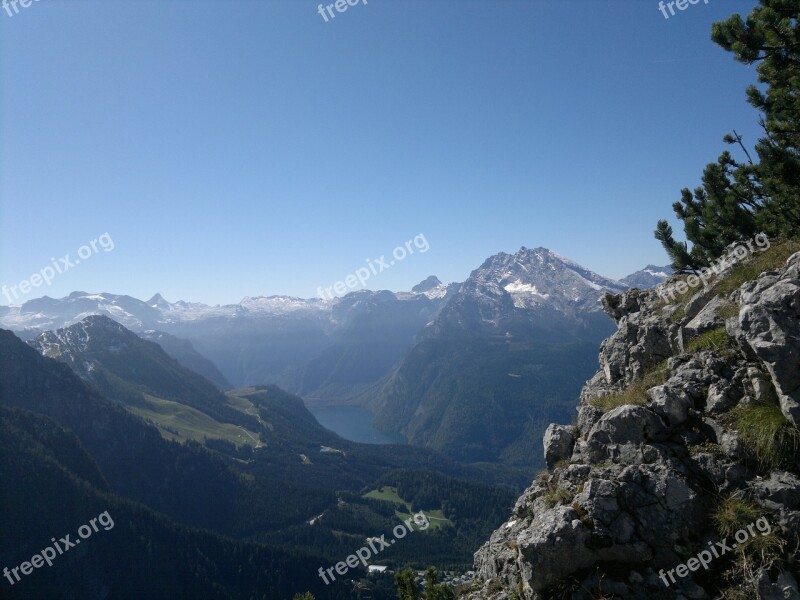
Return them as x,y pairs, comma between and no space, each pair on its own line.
158,301
426,285
93,332
540,277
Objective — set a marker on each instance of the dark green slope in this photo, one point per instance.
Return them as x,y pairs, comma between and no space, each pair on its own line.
138,553
133,457
309,481
464,514
484,399
269,497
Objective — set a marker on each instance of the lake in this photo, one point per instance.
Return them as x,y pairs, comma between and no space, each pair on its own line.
354,423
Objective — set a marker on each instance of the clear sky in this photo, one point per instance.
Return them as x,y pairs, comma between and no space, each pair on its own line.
243,148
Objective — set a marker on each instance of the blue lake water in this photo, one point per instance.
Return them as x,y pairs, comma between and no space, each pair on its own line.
354,423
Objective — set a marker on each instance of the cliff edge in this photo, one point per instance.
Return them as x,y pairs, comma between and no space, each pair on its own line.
679,477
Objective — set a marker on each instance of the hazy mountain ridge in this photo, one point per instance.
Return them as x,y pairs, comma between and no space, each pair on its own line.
257,340
184,352
48,313
648,277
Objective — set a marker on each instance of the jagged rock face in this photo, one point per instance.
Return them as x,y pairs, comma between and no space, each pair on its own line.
627,525
641,340
634,483
768,323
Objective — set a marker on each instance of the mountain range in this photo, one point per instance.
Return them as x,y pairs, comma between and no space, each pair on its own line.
443,365
648,277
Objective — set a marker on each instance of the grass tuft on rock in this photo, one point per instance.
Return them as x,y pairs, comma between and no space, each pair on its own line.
636,393
729,310
735,513
556,495
762,550
714,340
707,447
681,299
768,435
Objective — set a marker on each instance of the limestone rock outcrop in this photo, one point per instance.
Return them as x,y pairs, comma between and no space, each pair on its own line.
664,452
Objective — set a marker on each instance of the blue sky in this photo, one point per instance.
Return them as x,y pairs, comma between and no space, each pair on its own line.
239,148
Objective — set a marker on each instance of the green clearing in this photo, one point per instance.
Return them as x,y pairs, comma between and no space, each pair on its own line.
242,404
180,422
436,517
387,494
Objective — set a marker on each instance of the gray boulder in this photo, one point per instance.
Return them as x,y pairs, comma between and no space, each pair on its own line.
628,424
558,443
670,403
708,318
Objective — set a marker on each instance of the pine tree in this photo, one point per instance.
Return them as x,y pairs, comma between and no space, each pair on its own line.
434,591
678,252
406,586
739,199
771,37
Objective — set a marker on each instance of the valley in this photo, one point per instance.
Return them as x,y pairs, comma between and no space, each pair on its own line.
443,366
